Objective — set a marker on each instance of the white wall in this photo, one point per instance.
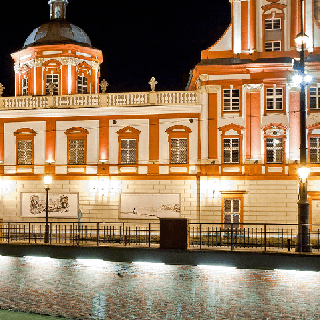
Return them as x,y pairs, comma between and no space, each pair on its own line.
10,141
92,140
139,124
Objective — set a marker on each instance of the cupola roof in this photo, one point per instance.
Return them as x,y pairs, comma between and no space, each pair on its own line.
57,30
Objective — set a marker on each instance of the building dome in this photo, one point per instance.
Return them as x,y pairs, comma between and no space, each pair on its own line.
57,31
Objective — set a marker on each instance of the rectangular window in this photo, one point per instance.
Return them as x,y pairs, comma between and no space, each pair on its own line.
25,86
52,78
231,150
24,152
314,98
82,85
231,100
272,46
128,151
179,151
76,152
273,24
314,150
274,99
231,213
274,150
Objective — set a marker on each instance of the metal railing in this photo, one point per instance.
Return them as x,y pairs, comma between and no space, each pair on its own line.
74,233
258,236
250,235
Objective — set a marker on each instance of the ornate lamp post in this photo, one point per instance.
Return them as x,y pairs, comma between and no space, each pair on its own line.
303,205
47,181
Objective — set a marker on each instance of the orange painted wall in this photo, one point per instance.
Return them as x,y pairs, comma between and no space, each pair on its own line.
252,25
253,131
245,23
294,122
294,22
104,138
50,139
213,126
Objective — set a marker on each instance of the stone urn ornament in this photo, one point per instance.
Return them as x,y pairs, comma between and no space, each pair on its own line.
51,86
1,89
104,85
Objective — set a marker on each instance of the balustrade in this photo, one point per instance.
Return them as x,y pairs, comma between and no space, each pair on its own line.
101,100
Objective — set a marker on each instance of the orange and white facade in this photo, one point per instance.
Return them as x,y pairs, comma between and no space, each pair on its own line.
229,147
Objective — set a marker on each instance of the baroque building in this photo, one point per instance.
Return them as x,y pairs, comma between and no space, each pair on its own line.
226,150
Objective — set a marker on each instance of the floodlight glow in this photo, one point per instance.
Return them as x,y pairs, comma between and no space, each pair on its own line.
216,268
143,263
35,259
96,263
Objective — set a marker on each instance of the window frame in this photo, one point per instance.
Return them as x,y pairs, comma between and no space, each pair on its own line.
77,133
274,97
314,136
275,131
273,19
229,195
25,86
128,133
272,42
231,89
226,135
57,88
24,134
82,86
178,132
317,96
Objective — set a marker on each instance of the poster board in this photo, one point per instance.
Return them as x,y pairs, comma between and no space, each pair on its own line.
149,206
60,205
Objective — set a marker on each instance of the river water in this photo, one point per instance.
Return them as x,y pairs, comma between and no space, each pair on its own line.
96,289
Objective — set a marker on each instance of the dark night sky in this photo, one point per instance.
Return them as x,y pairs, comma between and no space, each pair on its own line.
139,39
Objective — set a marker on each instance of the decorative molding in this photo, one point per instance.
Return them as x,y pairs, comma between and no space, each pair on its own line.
39,62
69,61
95,66
231,126
212,89
253,87
275,129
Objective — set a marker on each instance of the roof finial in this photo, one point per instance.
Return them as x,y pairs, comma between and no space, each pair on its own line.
58,9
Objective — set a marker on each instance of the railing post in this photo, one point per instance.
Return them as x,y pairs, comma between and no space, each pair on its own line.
8,232
98,231
29,233
149,235
231,236
265,237
200,237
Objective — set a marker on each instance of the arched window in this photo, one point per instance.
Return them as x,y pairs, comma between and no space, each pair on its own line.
128,145
179,144
25,146
231,142
77,145
275,141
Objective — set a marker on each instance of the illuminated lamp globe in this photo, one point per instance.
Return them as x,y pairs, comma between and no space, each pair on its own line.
47,179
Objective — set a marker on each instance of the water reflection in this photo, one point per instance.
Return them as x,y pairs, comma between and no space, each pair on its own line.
97,289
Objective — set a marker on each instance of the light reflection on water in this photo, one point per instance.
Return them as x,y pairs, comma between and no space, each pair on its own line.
97,289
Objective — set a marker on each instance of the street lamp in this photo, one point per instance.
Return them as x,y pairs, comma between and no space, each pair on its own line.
303,204
47,179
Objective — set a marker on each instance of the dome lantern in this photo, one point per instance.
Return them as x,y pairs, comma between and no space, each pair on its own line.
58,9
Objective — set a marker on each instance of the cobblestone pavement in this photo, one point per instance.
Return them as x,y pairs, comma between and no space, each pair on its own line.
96,289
